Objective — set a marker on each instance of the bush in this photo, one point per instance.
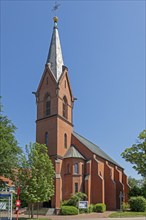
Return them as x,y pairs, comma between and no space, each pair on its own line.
137,204
83,211
69,210
125,206
99,207
90,208
73,201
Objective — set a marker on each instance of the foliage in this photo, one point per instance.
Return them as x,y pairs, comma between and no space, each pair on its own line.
74,199
99,207
69,210
125,206
81,211
9,149
137,204
137,187
90,208
36,174
137,154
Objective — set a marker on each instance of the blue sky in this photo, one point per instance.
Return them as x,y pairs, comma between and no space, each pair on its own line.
103,44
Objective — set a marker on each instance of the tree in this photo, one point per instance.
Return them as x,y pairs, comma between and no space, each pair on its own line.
9,149
36,175
137,187
137,154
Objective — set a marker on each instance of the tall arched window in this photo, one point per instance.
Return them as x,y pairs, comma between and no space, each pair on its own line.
47,106
65,140
64,107
46,138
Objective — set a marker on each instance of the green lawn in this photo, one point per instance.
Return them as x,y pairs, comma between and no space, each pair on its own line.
126,214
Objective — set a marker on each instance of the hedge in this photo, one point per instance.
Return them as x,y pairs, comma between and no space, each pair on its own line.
99,207
69,210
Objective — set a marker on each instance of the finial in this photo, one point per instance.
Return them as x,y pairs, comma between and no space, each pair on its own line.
55,19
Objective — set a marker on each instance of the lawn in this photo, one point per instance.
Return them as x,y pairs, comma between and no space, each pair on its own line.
126,214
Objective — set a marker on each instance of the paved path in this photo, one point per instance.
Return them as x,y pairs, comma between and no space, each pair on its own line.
92,216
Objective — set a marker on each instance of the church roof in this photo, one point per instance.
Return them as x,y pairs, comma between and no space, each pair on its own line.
55,58
95,149
73,153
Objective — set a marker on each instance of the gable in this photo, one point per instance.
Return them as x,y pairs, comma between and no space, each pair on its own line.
48,72
64,79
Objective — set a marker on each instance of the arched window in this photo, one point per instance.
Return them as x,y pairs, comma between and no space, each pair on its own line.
64,107
46,138
65,140
47,106
76,168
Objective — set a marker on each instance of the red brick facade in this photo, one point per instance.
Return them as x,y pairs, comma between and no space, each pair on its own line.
87,171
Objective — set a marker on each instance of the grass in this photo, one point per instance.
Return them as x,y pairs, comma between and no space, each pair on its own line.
127,214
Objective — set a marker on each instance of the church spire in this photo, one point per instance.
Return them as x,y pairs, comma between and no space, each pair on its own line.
55,57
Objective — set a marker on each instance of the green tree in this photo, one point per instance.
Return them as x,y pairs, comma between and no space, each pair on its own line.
36,175
9,149
136,154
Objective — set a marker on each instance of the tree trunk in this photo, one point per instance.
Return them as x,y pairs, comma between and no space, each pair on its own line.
32,206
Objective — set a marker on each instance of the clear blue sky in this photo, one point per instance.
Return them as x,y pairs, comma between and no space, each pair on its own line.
103,44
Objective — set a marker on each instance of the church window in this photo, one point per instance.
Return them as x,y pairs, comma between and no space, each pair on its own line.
65,140
76,168
46,139
64,107
48,106
76,187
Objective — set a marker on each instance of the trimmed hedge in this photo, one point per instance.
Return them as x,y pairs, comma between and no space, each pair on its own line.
69,210
99,207
137,204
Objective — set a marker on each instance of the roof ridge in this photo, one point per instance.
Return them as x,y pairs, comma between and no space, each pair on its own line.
107,157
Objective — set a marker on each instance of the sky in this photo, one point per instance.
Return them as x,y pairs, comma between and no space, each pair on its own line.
103,45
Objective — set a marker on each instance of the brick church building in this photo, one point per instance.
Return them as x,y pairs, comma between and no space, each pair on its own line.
80,165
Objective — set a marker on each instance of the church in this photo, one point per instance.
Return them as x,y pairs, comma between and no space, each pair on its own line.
80,165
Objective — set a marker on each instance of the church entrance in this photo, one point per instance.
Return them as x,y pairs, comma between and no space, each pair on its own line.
47,204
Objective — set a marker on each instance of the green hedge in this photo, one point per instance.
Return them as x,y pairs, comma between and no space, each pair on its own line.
99,207
69,210
137,204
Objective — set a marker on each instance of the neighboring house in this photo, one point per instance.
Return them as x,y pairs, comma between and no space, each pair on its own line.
80,165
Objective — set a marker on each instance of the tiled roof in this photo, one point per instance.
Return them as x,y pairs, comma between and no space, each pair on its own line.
95,149
73,153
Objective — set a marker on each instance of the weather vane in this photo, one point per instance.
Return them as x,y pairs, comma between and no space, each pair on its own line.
56,6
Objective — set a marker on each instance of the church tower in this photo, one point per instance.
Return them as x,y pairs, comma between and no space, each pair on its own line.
54,102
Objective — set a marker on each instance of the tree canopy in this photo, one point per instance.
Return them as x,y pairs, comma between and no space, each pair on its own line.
36,174
9,149
136,154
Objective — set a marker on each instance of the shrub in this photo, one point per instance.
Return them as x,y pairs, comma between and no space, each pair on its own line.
69,210
83,211
74,199
99,207
90,208
125,206
137,204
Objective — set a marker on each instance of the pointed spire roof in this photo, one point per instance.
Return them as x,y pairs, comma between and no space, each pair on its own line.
55,58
